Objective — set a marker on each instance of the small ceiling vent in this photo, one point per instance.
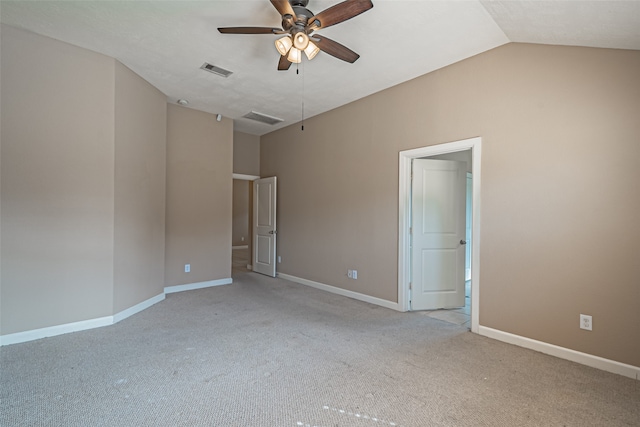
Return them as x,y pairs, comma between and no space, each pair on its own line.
216,70
262,118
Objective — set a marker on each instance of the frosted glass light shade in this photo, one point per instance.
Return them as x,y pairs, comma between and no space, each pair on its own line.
295,55
300,41
311,51
283,45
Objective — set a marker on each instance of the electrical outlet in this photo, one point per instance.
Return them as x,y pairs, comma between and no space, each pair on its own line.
354,274
279,259
586,322
350,274
187,268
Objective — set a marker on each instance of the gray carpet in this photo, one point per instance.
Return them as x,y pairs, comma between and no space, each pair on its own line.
267,352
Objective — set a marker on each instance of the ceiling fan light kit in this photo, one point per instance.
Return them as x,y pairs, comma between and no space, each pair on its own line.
311,51
300,40
299,23
295,55
283,45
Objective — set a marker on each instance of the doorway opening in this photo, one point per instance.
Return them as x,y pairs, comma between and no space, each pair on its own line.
405,216
241,236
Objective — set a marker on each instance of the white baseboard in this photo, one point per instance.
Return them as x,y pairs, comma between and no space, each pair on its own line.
137,308
563,353
200,285
344,292
52,331
240,247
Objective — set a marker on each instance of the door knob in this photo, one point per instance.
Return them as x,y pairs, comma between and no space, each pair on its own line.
463,242
272,232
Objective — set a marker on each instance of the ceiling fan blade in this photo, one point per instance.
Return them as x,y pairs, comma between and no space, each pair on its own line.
339,13
335,49
284,8
284,63
250,30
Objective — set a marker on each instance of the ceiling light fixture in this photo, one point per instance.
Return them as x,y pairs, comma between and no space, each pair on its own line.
283,45
311,51
299,23
300,40
292,47
183,102
295,55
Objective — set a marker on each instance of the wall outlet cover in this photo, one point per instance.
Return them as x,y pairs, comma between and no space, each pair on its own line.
586,322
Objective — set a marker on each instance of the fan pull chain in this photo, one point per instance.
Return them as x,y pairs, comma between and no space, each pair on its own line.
302,127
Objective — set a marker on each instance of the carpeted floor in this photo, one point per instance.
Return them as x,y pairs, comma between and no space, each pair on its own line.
267,352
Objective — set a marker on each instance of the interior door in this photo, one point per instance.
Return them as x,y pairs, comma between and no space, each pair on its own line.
438,205
264,226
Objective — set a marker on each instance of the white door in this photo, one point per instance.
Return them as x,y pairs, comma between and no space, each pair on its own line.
438,196
264,226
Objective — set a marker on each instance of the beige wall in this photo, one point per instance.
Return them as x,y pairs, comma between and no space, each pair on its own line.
57,147
86,152
246,154
559,231
140,164
240,235
246,161
199,196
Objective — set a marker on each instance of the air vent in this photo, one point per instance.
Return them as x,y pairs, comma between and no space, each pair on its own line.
216,70
263,118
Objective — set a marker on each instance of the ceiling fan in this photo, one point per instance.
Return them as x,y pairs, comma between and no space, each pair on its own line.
298,24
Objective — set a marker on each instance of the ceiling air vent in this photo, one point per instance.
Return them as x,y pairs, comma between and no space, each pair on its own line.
262,118
216,70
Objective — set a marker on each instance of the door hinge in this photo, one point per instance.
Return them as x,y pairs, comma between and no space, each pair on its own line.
410,230
410,286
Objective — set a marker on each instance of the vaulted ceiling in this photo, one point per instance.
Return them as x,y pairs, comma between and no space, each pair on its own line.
166,42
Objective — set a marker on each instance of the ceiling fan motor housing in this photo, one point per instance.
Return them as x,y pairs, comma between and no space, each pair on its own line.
302,16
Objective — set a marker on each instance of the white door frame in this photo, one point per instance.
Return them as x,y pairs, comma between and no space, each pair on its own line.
244,177
404,219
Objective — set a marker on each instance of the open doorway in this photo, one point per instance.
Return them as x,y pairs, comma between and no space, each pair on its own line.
473,148
241,236
450,173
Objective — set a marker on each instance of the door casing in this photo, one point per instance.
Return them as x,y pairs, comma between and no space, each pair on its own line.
404,218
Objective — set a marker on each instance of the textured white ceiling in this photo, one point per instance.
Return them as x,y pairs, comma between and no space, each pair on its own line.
602,23
166,42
